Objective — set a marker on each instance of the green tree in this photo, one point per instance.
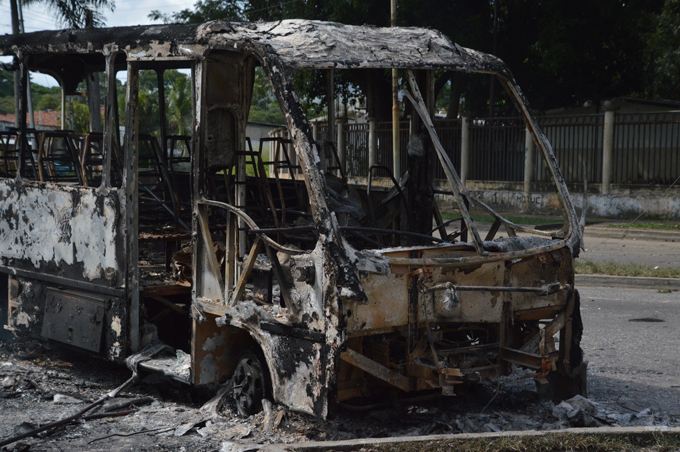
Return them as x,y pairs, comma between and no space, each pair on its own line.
179,106
664,65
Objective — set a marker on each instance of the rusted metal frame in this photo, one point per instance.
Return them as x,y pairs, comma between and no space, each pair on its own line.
198,101
274,165
566,333
168,184
493,230
107,145
439,219
451,175
41,146
264,181
573,235
131,201
251,224
291,168
61,281
23,82
169,304
207,248
230,264
336,156
292,229
237,293
377,370
545,290
413,302
392,231
430,340
520,358
396,186
284,290
419,349
462,261
509,225
548,331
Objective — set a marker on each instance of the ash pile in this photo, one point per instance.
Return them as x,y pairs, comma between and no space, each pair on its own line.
40,386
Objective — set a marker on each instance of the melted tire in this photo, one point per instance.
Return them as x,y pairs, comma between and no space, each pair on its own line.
250,383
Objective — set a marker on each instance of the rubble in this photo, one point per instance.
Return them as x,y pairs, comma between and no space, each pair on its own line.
168,417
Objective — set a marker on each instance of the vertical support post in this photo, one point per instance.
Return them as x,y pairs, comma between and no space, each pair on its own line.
162,114
396,157
342,154
430,100
331,105
607,149
109,118
290,150
131,205
529,157
315,130
372,143
21,117
63,107
464,148
93,104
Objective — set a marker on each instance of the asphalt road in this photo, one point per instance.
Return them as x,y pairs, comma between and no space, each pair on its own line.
631,339
631,251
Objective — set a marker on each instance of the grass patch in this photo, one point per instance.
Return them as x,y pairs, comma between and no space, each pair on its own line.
667,226
613,269
482,218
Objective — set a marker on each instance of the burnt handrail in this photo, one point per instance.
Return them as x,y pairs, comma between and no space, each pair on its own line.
252,225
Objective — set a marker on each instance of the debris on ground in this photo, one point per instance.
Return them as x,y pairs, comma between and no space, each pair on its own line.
172,416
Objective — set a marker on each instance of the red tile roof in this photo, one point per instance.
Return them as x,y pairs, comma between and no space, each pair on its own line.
46,118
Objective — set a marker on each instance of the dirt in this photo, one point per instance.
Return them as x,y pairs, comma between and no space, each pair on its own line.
31,375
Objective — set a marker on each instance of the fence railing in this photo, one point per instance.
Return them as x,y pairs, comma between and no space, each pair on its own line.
646,147
575,140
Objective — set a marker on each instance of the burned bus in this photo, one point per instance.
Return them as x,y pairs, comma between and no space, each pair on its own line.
269,269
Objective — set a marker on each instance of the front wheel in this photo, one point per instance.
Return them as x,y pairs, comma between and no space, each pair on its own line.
250,383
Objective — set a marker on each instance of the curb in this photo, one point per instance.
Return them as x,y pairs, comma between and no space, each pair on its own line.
628,282
530,440
639,234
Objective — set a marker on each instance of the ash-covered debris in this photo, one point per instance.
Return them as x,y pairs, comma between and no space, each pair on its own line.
170,416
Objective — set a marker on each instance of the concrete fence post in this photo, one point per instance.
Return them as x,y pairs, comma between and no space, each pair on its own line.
529,158
342,151
464,148
372,143
607,148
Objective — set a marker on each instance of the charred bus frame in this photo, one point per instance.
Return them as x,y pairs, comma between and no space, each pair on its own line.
290,287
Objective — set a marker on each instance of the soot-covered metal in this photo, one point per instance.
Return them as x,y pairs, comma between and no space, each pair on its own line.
265,266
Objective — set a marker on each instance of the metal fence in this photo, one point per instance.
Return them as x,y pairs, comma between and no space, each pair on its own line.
575,140
497,149
646,147
356,142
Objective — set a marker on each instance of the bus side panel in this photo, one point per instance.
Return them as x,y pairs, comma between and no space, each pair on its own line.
70,232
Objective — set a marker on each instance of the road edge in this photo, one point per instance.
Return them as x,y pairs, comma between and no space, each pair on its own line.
627,282
643,436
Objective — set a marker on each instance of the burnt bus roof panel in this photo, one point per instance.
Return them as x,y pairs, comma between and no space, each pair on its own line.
298,43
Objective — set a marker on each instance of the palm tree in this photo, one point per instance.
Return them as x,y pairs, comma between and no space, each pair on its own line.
179,105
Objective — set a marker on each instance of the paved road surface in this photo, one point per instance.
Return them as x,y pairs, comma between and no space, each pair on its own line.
631,339
627,251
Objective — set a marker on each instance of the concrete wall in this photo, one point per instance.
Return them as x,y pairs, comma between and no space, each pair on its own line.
624,201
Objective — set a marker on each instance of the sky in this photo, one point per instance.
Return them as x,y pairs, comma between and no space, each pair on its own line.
37,17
